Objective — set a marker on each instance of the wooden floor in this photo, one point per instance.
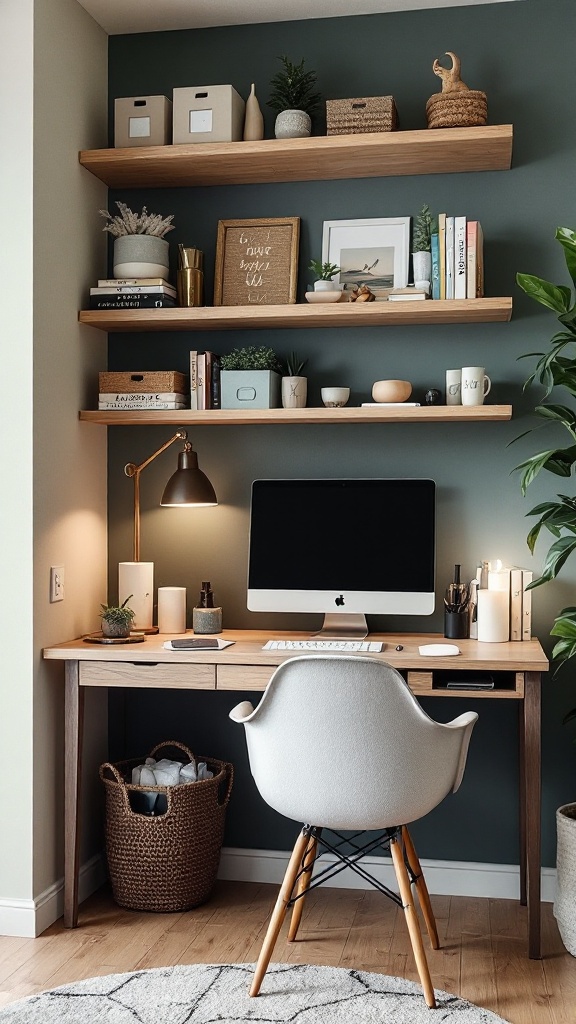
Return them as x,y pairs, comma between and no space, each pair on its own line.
483,954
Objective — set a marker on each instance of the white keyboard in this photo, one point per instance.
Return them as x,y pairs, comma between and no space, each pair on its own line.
326,646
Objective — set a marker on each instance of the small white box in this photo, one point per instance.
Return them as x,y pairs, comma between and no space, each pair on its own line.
142,121
207,113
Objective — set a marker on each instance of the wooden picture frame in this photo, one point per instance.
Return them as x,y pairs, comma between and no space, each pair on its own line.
257,261
374,251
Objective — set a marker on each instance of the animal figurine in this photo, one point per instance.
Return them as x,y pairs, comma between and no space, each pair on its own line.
451,81
362,293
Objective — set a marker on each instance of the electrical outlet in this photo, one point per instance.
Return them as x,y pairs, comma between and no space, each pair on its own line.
56,583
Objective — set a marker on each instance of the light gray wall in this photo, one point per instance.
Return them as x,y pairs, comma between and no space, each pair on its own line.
522,56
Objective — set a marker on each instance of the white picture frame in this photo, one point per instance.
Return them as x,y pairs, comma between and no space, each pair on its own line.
382,248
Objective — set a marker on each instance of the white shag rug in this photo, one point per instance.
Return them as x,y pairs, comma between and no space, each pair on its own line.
218,994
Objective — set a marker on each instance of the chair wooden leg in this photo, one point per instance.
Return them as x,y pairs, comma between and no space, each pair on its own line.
303,884
279,912
412,922
421,889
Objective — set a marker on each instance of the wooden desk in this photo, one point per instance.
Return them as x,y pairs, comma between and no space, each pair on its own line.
245,666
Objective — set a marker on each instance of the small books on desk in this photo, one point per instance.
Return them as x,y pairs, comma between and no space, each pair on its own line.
196,643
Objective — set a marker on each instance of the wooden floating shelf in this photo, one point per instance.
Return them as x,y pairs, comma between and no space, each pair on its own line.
239,417
302,315
373,155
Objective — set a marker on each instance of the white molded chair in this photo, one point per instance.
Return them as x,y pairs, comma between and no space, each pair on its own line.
341,743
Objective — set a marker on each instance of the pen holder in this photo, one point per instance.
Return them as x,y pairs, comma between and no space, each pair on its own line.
207,620
190,287
456,624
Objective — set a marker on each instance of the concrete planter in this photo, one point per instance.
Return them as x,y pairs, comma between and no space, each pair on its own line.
565,901
249,389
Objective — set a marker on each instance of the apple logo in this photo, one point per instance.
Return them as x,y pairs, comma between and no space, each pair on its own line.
339,601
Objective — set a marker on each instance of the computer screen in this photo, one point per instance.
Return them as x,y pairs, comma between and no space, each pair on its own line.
342,547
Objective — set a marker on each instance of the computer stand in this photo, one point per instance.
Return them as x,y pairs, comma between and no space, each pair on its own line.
343,626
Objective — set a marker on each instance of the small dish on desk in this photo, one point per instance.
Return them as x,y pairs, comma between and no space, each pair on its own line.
99,638
324,296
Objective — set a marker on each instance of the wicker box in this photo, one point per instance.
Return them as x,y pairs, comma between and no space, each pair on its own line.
143,381
362,114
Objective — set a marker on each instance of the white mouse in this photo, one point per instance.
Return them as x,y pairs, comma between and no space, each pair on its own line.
438,650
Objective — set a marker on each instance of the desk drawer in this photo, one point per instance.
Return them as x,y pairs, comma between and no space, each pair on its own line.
141,675
244,677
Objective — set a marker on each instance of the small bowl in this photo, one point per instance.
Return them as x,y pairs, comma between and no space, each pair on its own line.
335,398
391,390
326,296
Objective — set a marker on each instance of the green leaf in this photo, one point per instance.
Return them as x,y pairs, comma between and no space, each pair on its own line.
567,239
556,297
556,557
561,413
532,467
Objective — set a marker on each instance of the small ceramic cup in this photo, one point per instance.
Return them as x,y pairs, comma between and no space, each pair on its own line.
334,398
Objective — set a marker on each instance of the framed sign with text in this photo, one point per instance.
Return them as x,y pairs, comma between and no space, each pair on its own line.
256,261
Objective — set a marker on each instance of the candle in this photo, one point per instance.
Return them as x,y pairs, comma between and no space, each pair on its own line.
137,579
493,624
498,577
172,609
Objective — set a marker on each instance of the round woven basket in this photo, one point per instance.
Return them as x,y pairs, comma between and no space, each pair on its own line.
565,901
462,109
169,862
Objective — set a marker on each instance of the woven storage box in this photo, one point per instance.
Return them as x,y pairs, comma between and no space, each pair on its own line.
363,114
467,108
169,862
143,381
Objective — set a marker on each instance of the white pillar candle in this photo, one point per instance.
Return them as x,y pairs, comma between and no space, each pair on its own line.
493,625
172,609
137,579
498,578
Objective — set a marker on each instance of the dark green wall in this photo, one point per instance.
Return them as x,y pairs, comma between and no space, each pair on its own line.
521,54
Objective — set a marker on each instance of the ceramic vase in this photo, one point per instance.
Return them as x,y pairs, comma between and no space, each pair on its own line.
422,269
292,124
253,120
140,256
294,391
565,901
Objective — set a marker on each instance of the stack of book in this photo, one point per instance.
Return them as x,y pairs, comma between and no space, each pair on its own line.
133,293
410,294
457,258
141,400
204,380
514,580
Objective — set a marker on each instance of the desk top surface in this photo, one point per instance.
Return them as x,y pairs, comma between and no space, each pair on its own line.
519,656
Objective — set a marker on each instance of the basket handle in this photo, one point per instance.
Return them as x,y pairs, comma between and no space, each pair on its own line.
127,787
173,743
229,772
107,766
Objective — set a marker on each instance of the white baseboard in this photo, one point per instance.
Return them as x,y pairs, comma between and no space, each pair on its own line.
29,918
443,877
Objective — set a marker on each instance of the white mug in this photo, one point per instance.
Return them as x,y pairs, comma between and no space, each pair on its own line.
475,385
453,382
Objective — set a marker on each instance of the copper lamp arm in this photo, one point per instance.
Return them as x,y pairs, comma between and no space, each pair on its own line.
132,470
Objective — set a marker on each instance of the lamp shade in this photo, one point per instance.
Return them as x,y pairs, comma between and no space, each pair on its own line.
188,485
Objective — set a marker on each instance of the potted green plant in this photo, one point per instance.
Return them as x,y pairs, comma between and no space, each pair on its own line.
325,274
422,249
294,100
117,619
294,384
556,368
250,378
140,248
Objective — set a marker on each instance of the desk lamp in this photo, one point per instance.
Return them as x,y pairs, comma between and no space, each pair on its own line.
188,486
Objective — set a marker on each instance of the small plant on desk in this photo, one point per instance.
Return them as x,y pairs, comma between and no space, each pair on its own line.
117,619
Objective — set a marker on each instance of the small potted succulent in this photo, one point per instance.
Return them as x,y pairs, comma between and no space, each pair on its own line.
294,385
140,248
250,378
117,619
422,249
325,274
294,100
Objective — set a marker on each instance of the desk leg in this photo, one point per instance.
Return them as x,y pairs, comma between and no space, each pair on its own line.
73,735
522,806
532,806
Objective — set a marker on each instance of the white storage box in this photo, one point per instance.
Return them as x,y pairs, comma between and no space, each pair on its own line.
142,121
207,113
249,389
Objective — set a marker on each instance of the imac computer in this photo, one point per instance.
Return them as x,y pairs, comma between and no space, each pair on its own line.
345,548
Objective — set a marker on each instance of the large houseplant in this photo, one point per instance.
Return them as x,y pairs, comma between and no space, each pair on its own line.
250,378
294,100
140,248
557,368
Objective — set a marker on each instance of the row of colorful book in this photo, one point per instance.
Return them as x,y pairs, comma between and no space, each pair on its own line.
457,249
133,293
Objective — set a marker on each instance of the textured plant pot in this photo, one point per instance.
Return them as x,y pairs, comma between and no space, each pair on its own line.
294,392
422,269
325,286
249,389
292,124
140,256
114,629
565,901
